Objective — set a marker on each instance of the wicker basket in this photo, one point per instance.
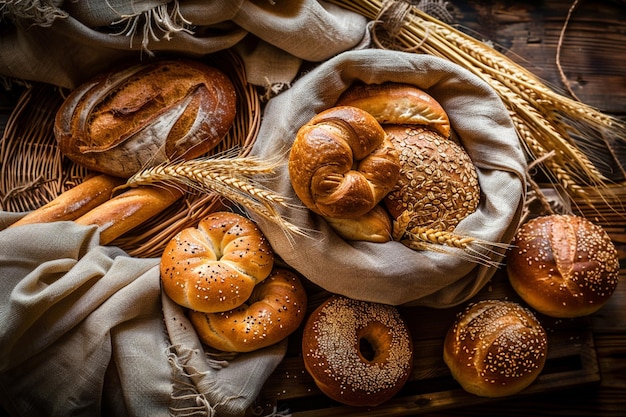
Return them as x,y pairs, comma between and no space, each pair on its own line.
34,171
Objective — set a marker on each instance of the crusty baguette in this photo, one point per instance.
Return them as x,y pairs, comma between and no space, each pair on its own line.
128,210
75,202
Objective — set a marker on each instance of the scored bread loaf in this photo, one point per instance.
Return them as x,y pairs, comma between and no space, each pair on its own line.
563,265
495,348
124,121
74,202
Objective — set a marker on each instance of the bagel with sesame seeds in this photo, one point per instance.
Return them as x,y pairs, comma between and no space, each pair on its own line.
563,265
275,309
215,266
358,353
495,348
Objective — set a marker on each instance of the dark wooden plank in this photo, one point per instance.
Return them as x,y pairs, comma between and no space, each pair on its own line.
591,54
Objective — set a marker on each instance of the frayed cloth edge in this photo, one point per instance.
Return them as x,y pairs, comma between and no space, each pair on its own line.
158,19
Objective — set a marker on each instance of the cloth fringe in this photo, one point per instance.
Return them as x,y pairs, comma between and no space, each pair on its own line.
179,357
275,412
272,90
186,399
34,12
156,24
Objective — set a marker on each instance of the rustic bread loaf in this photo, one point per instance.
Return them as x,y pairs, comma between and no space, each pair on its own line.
123,121
438,184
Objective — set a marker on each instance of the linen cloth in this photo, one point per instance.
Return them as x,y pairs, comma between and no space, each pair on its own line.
390,272
84,328
66,42
86,331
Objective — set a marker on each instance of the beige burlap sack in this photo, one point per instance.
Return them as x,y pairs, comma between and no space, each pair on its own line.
390,272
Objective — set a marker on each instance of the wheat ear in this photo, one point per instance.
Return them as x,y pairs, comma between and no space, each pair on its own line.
230,177
436,240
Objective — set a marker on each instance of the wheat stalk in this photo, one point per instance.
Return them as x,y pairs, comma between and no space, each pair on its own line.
471,249
227,175
545,119
437,240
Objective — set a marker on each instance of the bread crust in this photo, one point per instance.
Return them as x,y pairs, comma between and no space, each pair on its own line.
124,121
74,202
495,348
215,266
341,368
438,183
275,309
398,103
127,210
563,266
341,163
373,226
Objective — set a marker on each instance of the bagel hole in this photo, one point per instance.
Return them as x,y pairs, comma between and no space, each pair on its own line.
366,349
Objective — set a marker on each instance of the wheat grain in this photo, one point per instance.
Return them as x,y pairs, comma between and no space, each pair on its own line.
469,248
438,240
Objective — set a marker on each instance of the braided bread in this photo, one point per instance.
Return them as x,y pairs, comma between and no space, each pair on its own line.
215,266
341,163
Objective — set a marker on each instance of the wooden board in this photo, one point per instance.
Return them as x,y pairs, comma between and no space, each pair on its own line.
572,361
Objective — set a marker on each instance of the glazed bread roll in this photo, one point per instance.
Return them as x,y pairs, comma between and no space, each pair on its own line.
495,348
358,353
563,265
215,266
397,103
73,203
124,121
129,209
274,310
341,164
438,184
